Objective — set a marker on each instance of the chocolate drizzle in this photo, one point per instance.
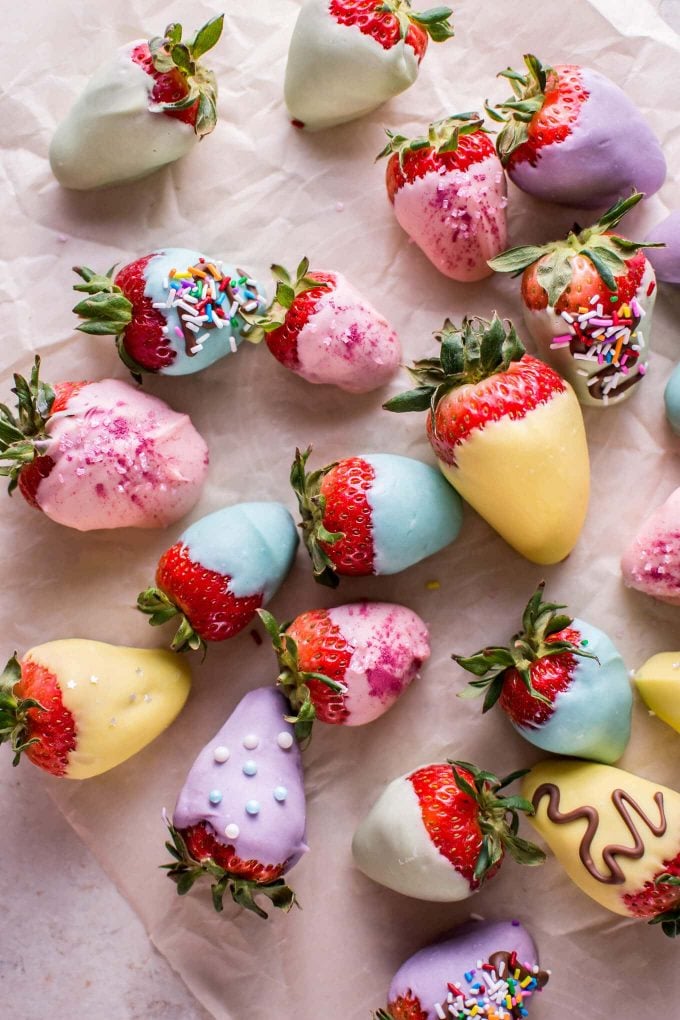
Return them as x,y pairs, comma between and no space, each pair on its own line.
502,962
621,801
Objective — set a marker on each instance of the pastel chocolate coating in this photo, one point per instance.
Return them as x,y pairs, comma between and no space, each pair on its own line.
666,261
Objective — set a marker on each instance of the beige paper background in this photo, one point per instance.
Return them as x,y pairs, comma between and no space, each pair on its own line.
256,192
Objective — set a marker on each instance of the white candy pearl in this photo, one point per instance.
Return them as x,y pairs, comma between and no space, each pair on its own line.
251,742
232,831
221,754
285,740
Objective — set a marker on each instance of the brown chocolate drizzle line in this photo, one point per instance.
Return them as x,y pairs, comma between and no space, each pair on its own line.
619,799
500,961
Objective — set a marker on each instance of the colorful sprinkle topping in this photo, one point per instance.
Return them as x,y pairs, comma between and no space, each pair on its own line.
498,989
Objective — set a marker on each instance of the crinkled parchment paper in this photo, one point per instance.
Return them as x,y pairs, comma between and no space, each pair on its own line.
257,192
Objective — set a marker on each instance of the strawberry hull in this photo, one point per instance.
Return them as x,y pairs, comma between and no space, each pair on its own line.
608,150
457,217
529,477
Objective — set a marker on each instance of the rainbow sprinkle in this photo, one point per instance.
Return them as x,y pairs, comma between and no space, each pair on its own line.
491,996
610,337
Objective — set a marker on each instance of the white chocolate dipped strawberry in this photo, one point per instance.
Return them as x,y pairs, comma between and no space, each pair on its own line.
347,57
588,303
100,455
347,665
441,831
651,562
508,433
78,708
616,835
144,108
320,327
449,194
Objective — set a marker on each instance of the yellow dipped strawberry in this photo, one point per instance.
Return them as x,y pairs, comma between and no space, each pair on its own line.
508,433
616,835
78,708
658,682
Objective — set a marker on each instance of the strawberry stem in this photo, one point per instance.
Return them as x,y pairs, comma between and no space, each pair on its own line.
170,53
312,504
160,609
22,431
14,711
288,288
517,112
442,136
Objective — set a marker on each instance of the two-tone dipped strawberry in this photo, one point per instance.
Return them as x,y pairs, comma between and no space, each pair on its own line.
347,57
508,433
100,455
240,816
490,967
585,299
651,562
220,571
144,108
174,312
347,665
376,513
440,832
616,835
572,136
449,194
561,682
78,708
320,327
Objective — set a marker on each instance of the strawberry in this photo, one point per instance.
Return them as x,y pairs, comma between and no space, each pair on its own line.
572,136
616,835
220,571
79,708
491,964
449,191
651,561
508,434
347,665
372,514
118,129
100,455
561,681
174,311
666,259
347,57
440,832
584,300
320,327
240,816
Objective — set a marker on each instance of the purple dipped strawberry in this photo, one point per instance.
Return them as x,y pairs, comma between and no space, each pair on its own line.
561,681
240,816
347,665
574,137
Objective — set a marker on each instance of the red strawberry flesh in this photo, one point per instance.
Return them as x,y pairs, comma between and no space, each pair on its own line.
322,649
417,163
586,284
553,123
143,337
203,596
345,489
169,86
282,342
655,899
203,846
407,1007
54,728
380,25
32,474
550,676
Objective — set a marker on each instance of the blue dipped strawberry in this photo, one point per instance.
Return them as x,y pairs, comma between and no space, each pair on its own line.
220,571
561,681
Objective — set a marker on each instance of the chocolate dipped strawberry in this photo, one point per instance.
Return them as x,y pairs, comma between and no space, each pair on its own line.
347,665
347,57
485,969
508,434
144,108
240,816
174,312
373,514
220,571
100,454
616,835
320,327
440,832
78,708
651,561
561,682
572,136
449,194
588,303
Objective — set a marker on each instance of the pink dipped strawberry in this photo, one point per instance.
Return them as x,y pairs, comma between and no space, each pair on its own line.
562,683
220,571
651,561
573,136
240,816
508,433
143,109
347,665
101,454
347,57
449,194
174,312
373,514
320,327
588,303
440,832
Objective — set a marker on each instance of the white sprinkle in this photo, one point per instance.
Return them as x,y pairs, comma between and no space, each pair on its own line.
233,310
218,321
594,299
196,348
71,685
94,679
567,317
251,306
164,330
147,698
439,1011
192,326
202,339
233,344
